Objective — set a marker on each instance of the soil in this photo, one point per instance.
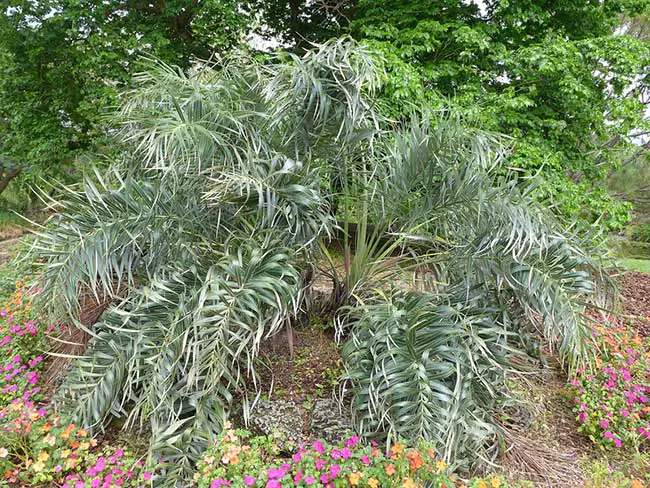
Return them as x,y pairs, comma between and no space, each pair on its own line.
311,372
635,300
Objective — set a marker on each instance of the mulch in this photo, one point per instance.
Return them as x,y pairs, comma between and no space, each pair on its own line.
635,301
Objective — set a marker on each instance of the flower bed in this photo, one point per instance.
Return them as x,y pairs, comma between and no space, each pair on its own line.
238,460
38,447
612,397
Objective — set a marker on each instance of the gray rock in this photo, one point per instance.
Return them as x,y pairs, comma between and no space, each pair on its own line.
281,419
329,421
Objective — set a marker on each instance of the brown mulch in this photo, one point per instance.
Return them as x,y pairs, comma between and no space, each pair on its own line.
312,372
635,300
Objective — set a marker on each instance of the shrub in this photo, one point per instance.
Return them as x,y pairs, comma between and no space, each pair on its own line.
640,233
203,237
612,397
239,460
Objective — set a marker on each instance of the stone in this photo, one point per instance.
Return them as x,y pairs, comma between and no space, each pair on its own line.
330,421
281,419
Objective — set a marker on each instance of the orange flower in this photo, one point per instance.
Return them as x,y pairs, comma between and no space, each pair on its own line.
495,482
636,484
482,484
390,469
415,459
354,478
408,483
74,444
82,433
397,448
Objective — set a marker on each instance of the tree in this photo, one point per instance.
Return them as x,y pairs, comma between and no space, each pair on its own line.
564,79
239,172
63,62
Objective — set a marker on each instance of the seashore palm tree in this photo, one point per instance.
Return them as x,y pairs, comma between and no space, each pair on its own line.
239,175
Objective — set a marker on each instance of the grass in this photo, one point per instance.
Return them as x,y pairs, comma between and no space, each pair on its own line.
635,264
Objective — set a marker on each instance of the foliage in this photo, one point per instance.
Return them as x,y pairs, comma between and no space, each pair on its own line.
38,446
553,77
63,62
239,460
426,367
640,233
603,475
611,399
236,178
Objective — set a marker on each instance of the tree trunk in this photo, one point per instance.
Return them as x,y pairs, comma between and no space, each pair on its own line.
6,175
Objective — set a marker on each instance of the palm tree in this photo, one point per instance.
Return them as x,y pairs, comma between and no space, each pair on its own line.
237,178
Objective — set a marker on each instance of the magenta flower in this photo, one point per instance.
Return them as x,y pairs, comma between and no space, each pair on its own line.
318,447
276,473
604,423
249,481
608,435
273,484
309,480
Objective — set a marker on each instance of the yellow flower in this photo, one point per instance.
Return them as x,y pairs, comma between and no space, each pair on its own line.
373,482
84,445
482,484
43,456
354,478
397,448
495,482
3,452
441,465
38,467
408,483
65,453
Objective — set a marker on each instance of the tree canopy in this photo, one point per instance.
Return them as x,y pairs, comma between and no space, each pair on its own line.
63,62
567,80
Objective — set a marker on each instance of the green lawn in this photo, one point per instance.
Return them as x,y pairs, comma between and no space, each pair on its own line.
633,264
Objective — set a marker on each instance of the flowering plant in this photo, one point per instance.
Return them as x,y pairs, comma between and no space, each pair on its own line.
612,396
37,446
238,460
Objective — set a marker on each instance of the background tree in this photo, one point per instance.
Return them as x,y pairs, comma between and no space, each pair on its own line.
62,63
563,78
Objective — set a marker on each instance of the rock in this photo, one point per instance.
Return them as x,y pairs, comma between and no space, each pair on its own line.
279,418
329,421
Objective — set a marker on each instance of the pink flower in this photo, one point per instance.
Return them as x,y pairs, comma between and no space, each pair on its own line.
318,447
625,413
336,454
249,481
146,476
604,423
324,478
273,484
335,469
220,482
365,459
346,453
608,435
276,473
297,457
309,480
352,441
618,442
